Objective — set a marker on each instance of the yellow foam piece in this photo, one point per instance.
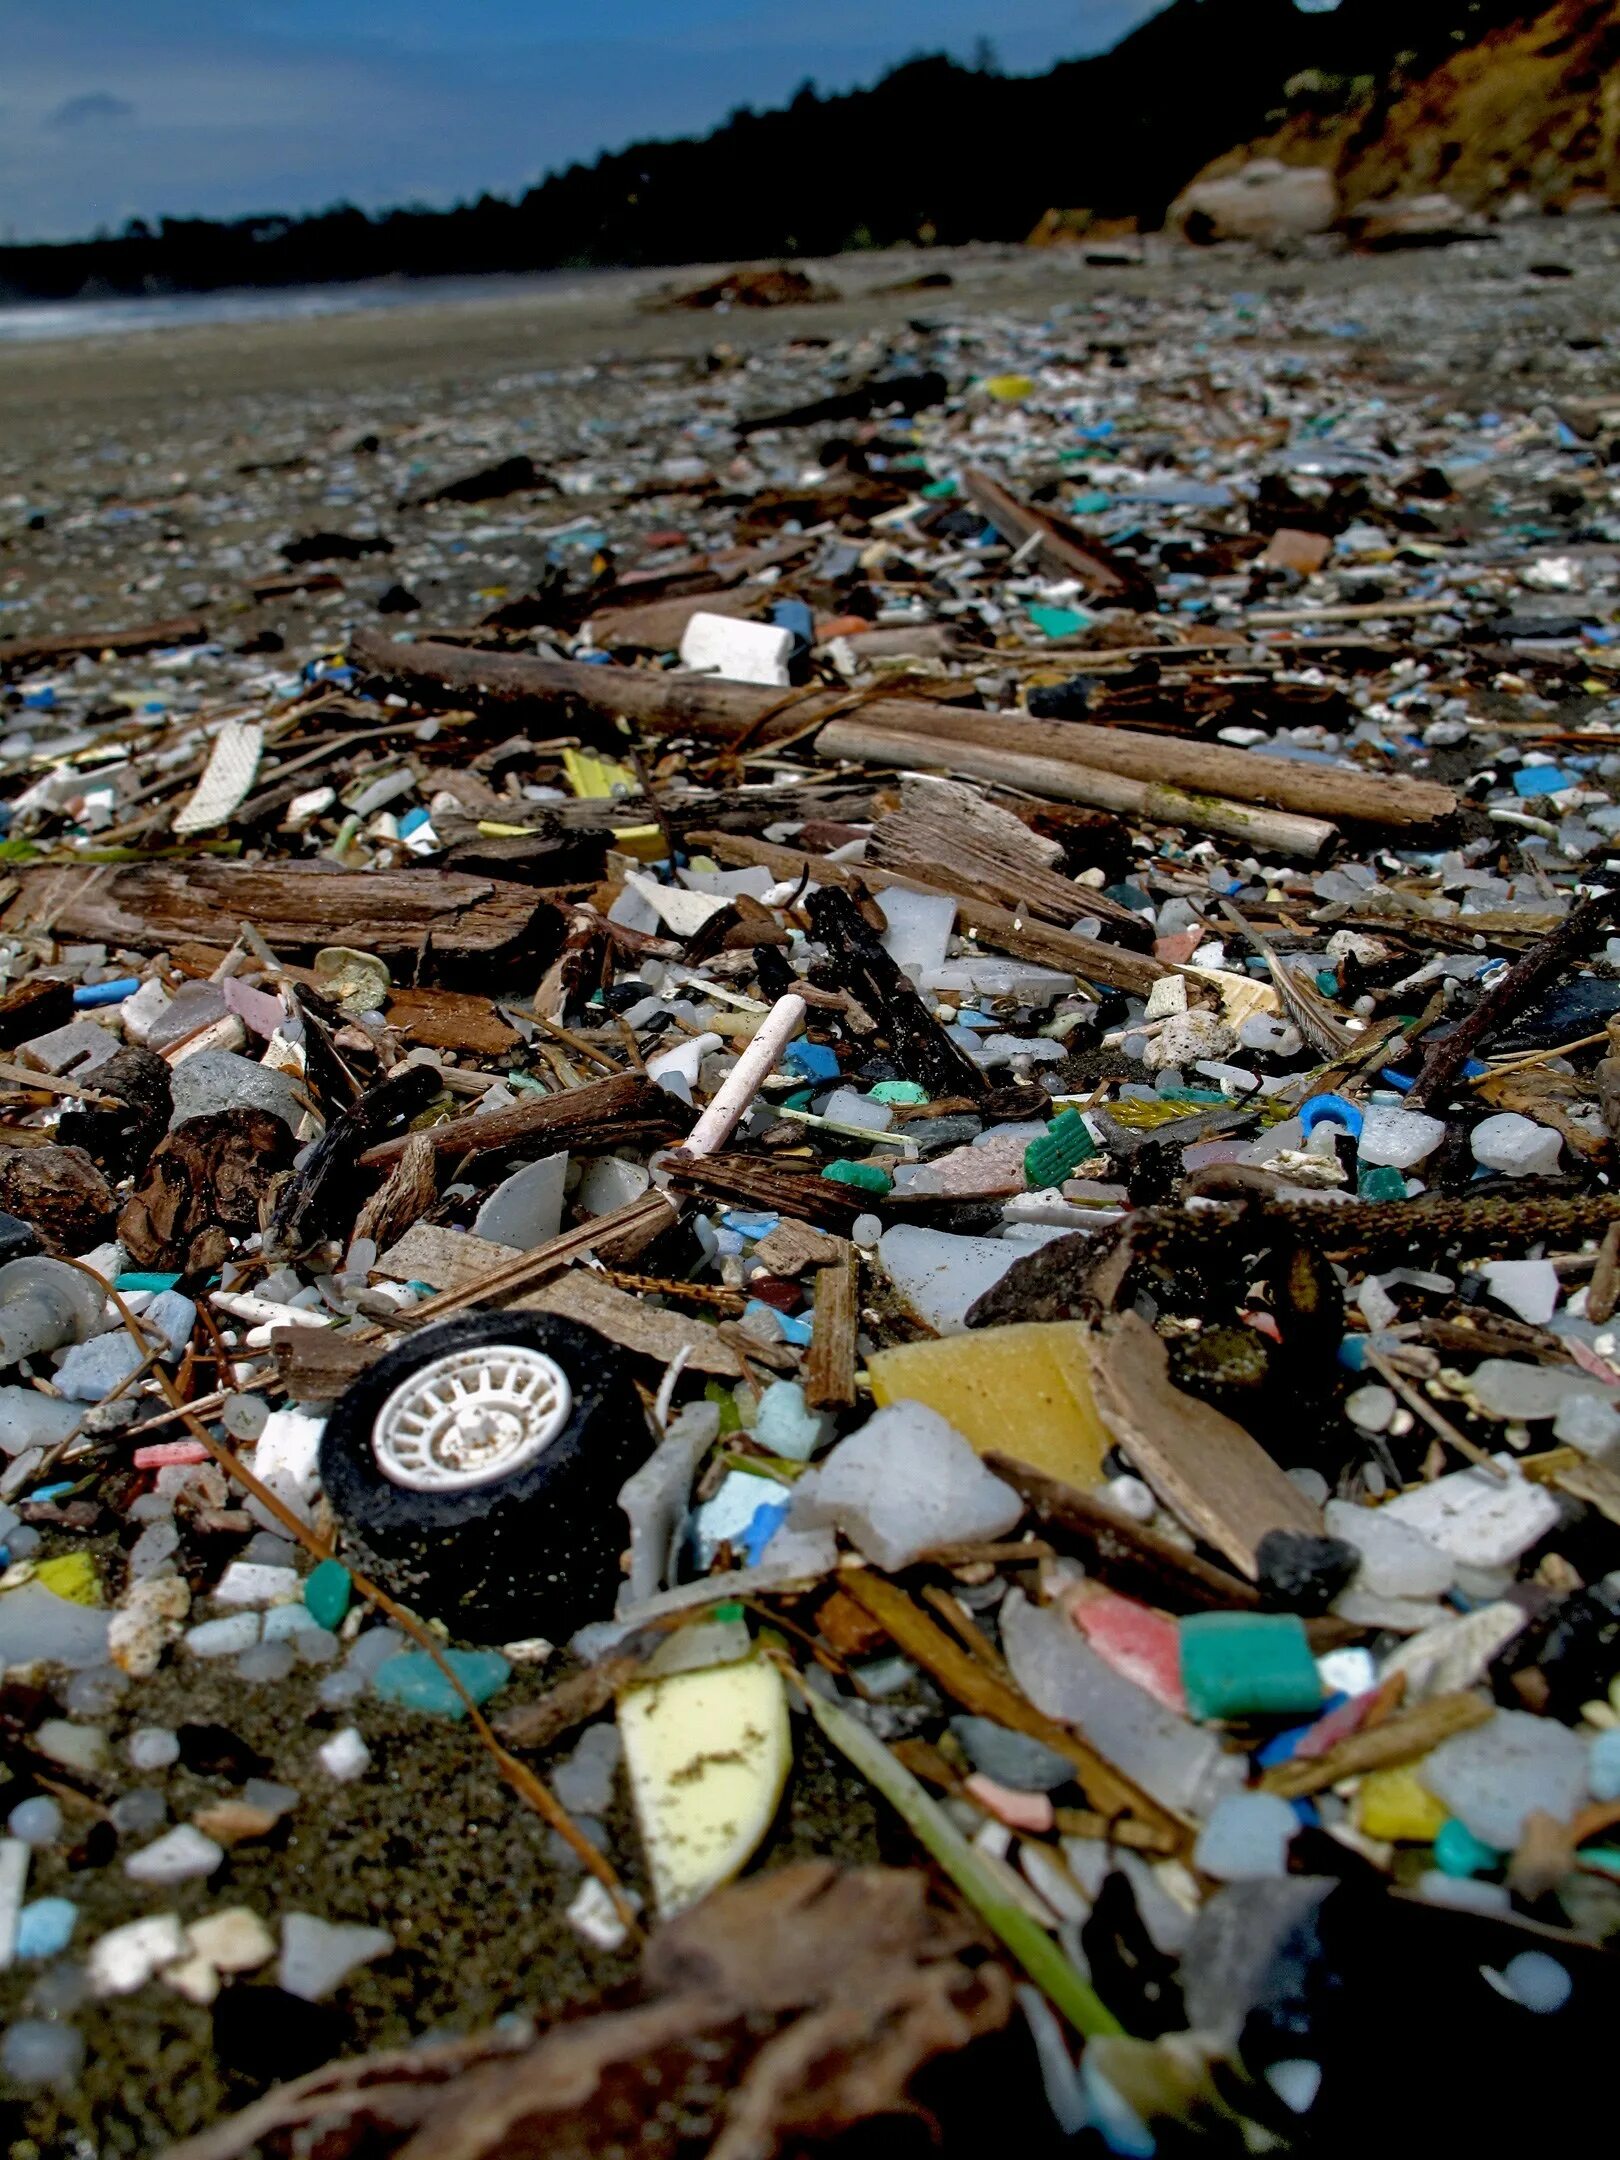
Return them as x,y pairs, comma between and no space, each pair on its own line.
1009,388
597,778
72,1576
1391,1805
1025,1390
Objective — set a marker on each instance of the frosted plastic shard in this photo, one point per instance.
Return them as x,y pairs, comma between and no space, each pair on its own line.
227,779
1479,1520
317,1956
1515,1766
903,1484
939,1275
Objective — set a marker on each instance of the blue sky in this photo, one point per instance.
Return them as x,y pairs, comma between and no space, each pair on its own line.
111,109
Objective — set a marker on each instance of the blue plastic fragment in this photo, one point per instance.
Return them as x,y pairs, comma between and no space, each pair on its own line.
793,1331
1541,780
812,1060
763,1525
107,993
1334,1107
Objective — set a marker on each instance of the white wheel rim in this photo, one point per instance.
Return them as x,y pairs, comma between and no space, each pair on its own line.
471,1418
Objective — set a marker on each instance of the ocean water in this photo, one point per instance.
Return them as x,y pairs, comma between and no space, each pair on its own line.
35,322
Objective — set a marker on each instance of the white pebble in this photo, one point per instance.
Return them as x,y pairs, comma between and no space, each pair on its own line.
128,1956
345,1756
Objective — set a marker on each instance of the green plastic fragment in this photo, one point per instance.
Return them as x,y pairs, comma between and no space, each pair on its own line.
1248,1665
940,490
1458,1852
415,1680
1066,1144
145,1279
327,1591
1381,1183
1055,622
908,1092
733,1610
800,1099
864,1176
1327,982
725,1402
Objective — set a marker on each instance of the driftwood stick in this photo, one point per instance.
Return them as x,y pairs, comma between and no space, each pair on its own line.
1529,975
873,740
829,1373
1025,938
603,1112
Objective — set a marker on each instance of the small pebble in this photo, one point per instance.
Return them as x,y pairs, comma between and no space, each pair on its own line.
152,1747
39,2051
181,1856
134,1813
36,1822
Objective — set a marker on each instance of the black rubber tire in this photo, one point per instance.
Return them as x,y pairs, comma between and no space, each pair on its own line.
534,1554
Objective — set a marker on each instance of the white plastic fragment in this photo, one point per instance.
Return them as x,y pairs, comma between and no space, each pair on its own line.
736,650
227,779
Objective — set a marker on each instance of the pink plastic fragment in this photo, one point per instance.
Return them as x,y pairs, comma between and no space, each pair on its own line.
263,1013
162,1453
1136,1641
1338,1725
1018,1810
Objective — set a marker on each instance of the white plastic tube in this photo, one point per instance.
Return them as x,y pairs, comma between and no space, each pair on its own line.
715,1127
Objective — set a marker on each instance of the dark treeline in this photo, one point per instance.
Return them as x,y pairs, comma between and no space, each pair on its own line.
935,151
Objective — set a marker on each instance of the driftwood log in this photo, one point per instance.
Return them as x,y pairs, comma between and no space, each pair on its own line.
29,652
295,907
436,674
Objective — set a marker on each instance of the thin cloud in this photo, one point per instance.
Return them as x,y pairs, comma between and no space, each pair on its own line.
92,108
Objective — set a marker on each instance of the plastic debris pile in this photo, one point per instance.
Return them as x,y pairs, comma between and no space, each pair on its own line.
937,1117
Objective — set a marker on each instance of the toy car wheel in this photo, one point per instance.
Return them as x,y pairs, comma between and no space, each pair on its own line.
476,1470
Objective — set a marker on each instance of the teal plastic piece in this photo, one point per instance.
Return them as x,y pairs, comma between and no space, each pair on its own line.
1066,1144
327,1591
1248,1665
143,1279
1057,622
864,1176
1458,1852
1381,1183
415,1680
1327,982
908,1092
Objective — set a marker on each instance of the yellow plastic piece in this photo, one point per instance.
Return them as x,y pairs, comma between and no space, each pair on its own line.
1391,1805
72,1576
1025,1390
597,778
493,829
1009,388
707,1753
645,842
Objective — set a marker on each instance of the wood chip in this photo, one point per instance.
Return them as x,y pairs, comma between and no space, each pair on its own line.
1207,1470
